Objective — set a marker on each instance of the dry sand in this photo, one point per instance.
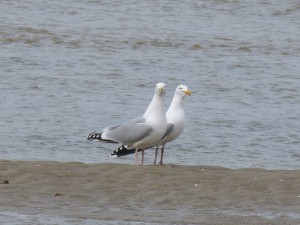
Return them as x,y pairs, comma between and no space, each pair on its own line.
151,194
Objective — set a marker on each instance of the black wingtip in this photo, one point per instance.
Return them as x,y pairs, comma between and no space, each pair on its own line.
94,136
98,137
122,151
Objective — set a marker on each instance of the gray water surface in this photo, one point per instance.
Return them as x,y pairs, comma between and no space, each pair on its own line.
68,68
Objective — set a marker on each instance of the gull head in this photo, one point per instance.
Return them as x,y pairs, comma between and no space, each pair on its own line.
183,90
160,88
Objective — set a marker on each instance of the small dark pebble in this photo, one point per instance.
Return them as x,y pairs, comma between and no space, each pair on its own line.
5,182
57,194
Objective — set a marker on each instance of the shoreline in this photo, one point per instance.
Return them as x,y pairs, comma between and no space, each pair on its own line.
150,194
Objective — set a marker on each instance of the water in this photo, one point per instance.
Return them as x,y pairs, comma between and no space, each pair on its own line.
23,218
68,68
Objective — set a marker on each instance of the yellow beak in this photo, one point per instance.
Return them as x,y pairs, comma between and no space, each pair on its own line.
188,92
161,90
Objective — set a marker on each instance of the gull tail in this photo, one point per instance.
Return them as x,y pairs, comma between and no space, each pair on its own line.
98,137
123,150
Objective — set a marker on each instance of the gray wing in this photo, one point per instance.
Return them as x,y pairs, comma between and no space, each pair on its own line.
170,127
129,132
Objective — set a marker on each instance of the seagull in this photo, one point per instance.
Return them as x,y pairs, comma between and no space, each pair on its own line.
175,125
142,131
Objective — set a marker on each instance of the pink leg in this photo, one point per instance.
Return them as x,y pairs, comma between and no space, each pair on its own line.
156,152
162,155
137,155
143,153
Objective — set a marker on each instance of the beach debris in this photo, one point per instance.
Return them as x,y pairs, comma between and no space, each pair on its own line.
5,182
195,185
58,194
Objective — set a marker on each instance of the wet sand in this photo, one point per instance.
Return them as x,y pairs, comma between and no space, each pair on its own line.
150,194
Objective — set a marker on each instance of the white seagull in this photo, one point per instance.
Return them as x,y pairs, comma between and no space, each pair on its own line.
139,132
175,125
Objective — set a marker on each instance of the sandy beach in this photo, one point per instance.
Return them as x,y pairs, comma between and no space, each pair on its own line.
168,194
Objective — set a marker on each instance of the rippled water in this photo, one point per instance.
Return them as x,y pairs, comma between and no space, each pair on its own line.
68,68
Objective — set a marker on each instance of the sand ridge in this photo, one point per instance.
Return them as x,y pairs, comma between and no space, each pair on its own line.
160,194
